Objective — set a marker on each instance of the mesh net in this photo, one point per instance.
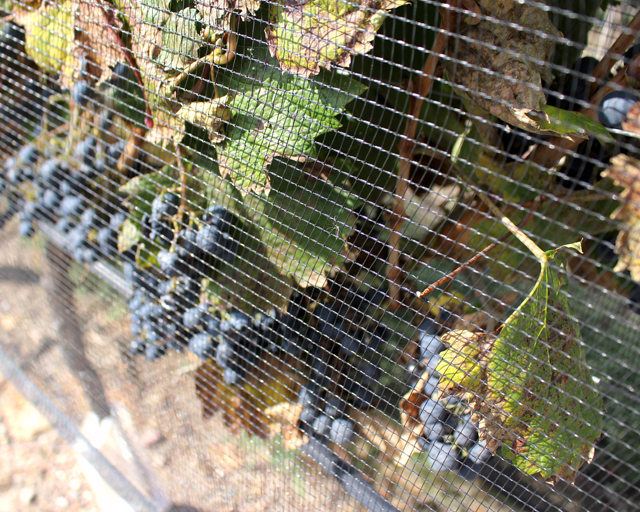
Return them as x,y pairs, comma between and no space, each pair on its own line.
368,255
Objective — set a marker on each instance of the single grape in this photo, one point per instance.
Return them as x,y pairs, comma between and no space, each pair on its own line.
342,431
85,151
431,412
479,453
26,229
107,240
614,108
322,425
89,255
224,353
202,345
63,225
169,263
335,407
192,317
71,206
51,200
28,155
230,377
117,220
442,457
154,351
466,432
89,218
81,92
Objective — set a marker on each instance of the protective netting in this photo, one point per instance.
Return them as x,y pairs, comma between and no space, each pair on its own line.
377,255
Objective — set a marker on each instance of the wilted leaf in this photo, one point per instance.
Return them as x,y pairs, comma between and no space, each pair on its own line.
307,35
181,39
217,13
625,172
632,123
49,33
459,364
128,235
533,392
503,69
276,114
96,25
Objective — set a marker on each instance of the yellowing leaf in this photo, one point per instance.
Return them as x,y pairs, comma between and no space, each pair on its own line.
49,32
307,35
625,172
531,390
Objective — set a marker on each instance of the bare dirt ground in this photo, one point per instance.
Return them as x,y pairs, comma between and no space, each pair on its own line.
198,462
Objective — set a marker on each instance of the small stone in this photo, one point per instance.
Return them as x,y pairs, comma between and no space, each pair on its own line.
75,484
62,502
151,437
27,495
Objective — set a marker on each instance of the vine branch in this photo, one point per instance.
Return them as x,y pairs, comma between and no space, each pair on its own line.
407,145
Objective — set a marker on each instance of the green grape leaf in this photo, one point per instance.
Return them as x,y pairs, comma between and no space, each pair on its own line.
181,39
574,124
277,115
49,33
308,35
537,396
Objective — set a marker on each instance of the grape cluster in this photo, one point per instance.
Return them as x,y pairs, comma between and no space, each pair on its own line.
449,438
342,344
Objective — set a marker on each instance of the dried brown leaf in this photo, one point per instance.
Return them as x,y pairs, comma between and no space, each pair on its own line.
307,35
500,53
218,13
625,172
632,123
96,24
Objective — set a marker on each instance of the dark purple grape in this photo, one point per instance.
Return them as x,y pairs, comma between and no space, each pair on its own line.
117,220
28,155
81,92
107,240
342,431
85,151
614,108
51,199
26,229
442,457
63,225
192,317
168,263
89,218
51,172
154,351
71,206
202,345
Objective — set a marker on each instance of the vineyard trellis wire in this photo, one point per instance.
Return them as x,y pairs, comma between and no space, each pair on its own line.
376,255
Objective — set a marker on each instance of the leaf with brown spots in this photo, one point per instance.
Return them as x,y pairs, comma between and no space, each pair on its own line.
531,389
498,61
306,35
625,172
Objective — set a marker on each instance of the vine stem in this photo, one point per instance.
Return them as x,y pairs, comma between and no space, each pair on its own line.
108,19
183,182
471,261
407,145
